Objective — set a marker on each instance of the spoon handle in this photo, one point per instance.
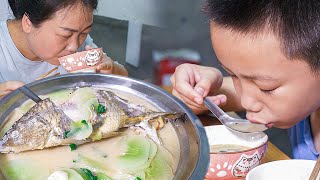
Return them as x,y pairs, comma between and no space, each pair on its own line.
213,108
315,171
30,94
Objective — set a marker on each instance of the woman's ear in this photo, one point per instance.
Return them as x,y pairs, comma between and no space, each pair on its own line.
26,24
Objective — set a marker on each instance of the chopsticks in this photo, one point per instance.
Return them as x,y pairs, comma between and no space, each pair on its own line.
315,172
48,74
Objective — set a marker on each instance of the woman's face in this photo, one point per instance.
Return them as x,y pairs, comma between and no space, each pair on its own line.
273,89
62,34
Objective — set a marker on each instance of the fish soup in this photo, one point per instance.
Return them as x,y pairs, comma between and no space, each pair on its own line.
129,154
218,148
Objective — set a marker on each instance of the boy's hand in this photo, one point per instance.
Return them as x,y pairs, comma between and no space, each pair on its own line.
9,86
108,66
191,83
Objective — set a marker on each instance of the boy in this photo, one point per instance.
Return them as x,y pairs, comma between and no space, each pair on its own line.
271,49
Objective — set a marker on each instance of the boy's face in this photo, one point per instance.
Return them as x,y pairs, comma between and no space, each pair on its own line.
273,89
62,34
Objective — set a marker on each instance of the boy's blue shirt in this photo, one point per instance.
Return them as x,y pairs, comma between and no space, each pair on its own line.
302,141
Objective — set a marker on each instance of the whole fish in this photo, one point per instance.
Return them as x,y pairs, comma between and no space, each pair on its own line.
42,126
46,124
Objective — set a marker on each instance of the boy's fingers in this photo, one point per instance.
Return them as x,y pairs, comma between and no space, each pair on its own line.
183,83
219,100
196,108
187,100
186,90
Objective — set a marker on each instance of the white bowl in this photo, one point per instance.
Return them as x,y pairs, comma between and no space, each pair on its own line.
294,169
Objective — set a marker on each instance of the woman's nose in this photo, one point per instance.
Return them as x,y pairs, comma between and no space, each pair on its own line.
73,45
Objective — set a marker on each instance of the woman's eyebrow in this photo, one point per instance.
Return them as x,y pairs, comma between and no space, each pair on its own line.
75,30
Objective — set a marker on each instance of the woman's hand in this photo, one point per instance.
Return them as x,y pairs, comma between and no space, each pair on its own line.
9,86
108,66
191,83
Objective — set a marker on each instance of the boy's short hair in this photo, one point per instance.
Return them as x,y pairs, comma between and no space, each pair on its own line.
295,22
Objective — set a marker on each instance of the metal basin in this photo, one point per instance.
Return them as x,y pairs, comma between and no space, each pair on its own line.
194,148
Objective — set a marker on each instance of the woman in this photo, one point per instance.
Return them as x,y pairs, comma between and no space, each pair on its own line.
42,31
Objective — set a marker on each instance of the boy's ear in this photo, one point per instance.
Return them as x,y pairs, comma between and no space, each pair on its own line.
26,24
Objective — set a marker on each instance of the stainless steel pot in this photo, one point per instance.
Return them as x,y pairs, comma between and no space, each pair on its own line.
194,147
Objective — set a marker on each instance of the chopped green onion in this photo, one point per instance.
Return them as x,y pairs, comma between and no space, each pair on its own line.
101,109
65,134
137,178
89,174
73,147
84,122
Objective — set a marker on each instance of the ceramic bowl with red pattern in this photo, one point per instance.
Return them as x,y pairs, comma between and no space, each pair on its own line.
84,61
234,154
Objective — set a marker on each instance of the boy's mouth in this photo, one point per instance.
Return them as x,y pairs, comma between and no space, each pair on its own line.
269,125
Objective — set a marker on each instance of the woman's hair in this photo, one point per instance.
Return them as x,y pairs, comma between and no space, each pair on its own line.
295,22
39,11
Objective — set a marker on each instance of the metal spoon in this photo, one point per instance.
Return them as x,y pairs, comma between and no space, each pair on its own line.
25,90
240,125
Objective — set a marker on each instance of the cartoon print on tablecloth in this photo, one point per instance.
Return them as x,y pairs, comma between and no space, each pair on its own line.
92,58
245,163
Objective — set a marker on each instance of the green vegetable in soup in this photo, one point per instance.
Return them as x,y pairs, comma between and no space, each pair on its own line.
99,166
102,176
24,169
73,175
138,154
83,100
61,96
86,174
159,169
89,175
80,130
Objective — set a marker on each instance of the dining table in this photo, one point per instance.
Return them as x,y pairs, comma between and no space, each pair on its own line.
273,152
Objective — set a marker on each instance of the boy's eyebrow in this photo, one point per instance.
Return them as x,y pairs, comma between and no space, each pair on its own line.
253,76
75,30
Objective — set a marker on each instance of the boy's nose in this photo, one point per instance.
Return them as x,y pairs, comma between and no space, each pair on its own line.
250,103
